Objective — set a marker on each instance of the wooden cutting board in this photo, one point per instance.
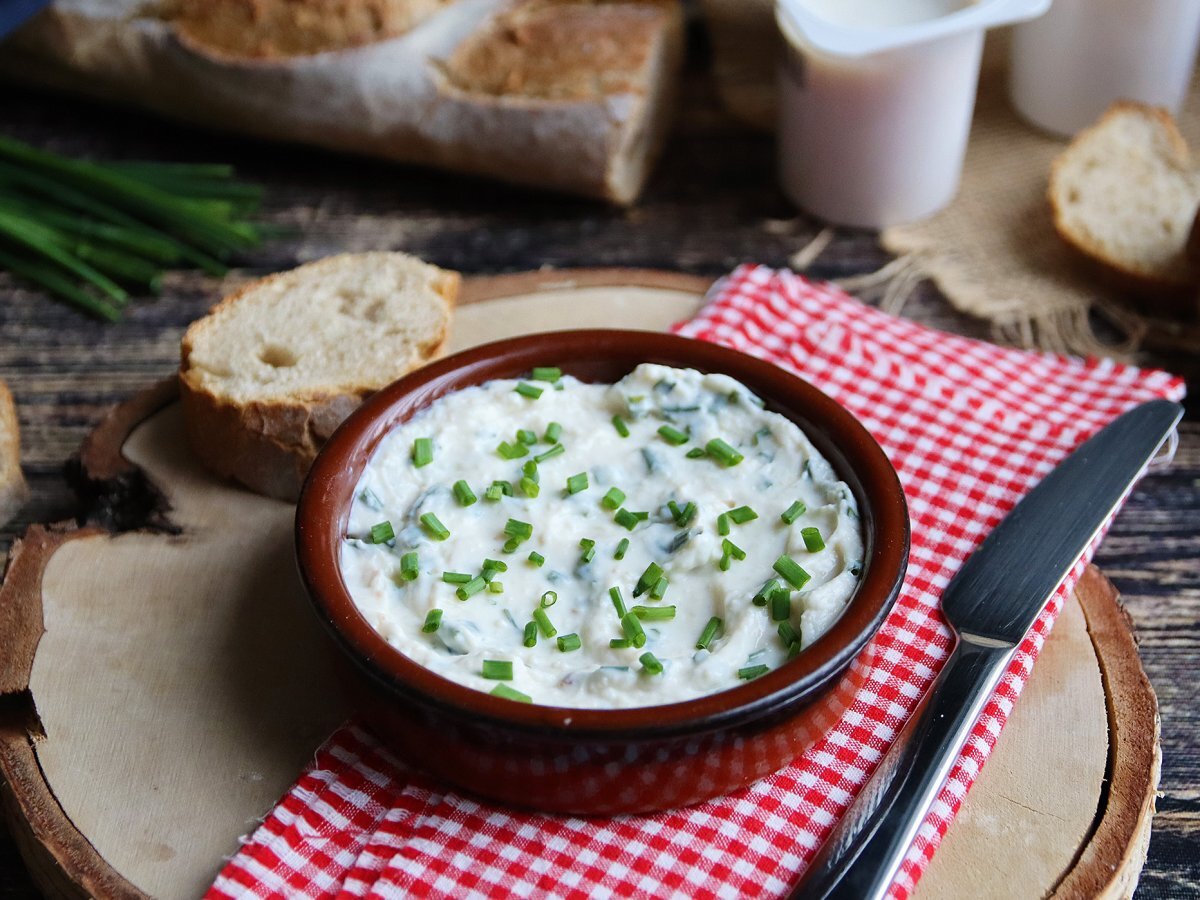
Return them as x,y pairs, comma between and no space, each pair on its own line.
180,684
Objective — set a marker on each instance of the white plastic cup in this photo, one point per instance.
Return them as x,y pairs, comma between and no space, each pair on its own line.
1067,67
874,120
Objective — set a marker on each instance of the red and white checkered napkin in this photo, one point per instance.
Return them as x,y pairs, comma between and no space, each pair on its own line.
969,426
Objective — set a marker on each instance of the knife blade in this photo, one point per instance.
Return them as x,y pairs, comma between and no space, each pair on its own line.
990,604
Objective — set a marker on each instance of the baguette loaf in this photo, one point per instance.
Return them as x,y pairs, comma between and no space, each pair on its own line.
573,95
1124,193
13,490
274,368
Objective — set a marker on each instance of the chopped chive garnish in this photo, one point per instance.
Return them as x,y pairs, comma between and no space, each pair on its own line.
551,453
697,453
433,621
619,424
536,558
793,651
471,588
491,566
422,452
742,515
529,487
653,613
618,601
577,483
812,539
673,435
512,451
649,579
544,624
633,630
456,577
530,470
548,599
518,529
660,588
546,373
682,515
793,512
409,566
512,545
622,546
787,634
569,642
528,390
723,524
553,433
434,527
495,587
613,498
531,633
525,436
781,605
382,533
729,548
498,489
729,552
650,663
749,673
723,452
620,643
509,693
764,593
589,550
791,571
497,669
709,633
463,493
629,520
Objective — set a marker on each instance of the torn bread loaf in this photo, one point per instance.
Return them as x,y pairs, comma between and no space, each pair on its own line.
13,489
1125,192
573,95
275,367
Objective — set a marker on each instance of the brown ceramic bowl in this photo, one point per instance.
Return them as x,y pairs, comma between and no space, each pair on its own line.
590,761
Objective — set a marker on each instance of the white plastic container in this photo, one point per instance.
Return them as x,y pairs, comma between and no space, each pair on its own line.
876,99
1068,66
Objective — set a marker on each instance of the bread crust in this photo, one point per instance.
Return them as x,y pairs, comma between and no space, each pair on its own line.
1172,294
268,445
13,489
390,98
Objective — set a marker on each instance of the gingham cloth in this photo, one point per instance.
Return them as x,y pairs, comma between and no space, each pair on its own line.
969,426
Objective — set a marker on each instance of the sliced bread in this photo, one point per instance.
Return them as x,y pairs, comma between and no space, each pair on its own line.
13,490
274,368
1124,192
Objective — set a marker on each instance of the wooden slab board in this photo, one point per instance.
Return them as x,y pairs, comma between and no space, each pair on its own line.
180,684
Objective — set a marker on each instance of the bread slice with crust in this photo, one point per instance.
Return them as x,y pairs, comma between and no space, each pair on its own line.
13,489
275,367
1124,193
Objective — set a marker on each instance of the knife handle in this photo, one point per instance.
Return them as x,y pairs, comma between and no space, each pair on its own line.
862,855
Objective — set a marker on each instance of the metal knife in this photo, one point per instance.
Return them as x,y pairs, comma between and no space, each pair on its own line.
990,604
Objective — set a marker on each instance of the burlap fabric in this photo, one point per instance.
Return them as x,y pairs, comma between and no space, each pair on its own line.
993,252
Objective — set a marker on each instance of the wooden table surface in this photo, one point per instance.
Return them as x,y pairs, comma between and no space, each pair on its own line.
712,204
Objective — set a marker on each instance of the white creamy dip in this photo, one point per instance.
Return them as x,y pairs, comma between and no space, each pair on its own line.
394,564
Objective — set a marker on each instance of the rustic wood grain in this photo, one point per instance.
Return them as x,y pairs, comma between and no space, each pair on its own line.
712,204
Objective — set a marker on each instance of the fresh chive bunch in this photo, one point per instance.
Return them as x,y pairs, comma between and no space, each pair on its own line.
90,232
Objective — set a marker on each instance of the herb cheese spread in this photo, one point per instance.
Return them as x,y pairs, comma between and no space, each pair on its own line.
589,545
